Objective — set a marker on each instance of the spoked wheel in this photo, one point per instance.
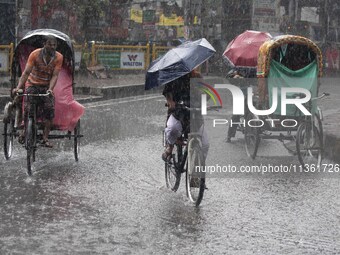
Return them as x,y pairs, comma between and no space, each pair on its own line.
309,145
252,136
30,142
9,133
77,136
172,175
195,180
318,124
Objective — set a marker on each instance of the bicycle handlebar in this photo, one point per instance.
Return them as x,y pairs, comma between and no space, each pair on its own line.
324,94
20,92
301,95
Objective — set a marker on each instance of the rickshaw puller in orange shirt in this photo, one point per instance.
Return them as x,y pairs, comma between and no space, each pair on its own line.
40,77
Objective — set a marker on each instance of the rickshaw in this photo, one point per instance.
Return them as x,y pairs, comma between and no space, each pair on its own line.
287,64
66,122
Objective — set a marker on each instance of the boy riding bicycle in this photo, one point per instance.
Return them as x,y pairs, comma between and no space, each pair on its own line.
177,93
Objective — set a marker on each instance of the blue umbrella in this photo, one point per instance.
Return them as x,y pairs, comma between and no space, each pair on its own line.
177,62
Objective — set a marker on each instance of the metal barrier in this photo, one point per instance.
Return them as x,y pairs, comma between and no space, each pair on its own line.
121,57
158,51
115,57
6,57
79,51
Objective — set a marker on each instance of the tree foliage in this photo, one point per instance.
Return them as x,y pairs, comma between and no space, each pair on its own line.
89,13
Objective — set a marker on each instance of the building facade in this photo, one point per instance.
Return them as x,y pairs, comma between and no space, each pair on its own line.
166,20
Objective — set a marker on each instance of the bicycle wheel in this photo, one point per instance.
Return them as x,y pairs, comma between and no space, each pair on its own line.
195,180
172,175
30,144
318,124
9,133
252,137
309,145
76,148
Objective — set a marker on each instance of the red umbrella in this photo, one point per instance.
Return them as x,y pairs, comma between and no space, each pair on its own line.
244,49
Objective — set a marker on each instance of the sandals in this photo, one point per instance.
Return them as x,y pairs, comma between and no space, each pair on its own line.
166,156
46,143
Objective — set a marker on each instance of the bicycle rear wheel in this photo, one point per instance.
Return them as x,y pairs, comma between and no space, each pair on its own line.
309,145
9,133
172,175
195,178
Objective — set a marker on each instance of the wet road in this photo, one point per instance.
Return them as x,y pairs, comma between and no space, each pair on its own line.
114,200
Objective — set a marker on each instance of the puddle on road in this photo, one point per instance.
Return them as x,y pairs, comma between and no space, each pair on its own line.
114,200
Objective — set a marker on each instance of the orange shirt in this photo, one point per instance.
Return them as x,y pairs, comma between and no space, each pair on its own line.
42,72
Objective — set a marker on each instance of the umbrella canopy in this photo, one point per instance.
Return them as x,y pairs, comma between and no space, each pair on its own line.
35,39
242,51
177,62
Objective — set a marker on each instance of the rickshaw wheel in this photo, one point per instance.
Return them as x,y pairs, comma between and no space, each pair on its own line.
9,133
309,146
77,141
252,137
318,124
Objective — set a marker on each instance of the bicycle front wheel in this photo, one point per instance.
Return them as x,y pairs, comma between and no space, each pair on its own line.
309,145
9,133
30,145
318,124
195,177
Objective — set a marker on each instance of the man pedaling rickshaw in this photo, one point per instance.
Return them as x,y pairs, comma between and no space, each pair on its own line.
40,77
241,79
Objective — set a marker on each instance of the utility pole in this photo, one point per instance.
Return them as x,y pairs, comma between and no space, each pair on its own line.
193,18
16,26
187,18
324,19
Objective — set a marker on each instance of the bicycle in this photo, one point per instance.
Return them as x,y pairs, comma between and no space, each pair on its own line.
32,136
187,157
31,128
